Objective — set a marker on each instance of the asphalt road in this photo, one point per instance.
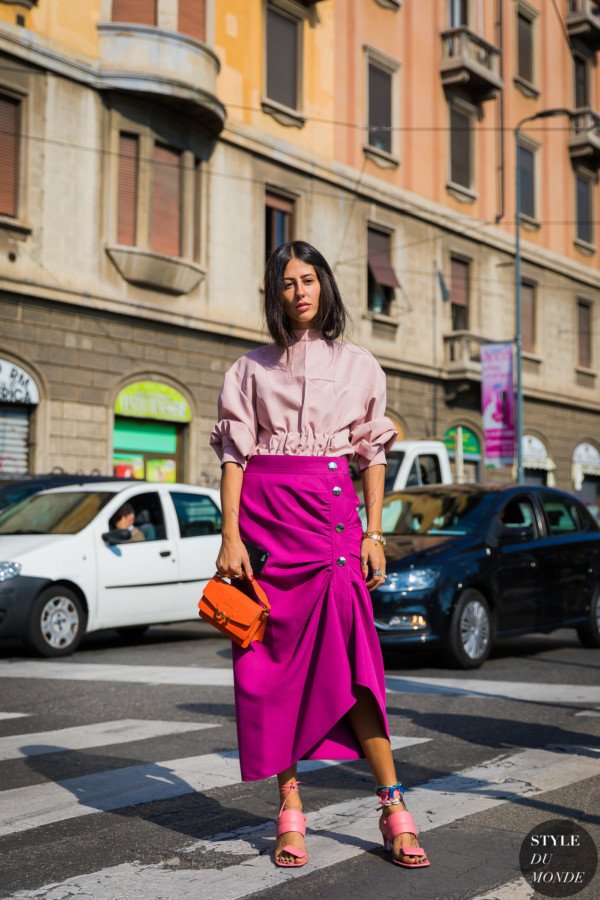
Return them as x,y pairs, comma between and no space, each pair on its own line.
118,775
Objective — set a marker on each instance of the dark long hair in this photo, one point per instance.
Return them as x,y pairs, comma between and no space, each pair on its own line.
332,316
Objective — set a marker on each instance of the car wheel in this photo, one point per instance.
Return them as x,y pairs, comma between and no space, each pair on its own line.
470,635
589,633
56,622
132,631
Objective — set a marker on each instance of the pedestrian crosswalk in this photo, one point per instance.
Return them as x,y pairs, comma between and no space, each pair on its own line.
340,830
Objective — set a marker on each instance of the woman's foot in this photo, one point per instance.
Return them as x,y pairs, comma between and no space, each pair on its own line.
290,800
405,839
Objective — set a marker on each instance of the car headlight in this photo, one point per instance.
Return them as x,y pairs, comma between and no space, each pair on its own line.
9,570
410,580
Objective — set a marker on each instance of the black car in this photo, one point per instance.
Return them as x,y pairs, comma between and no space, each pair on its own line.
469,563
14,489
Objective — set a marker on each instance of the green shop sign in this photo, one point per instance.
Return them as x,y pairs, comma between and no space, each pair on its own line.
470,441
152,400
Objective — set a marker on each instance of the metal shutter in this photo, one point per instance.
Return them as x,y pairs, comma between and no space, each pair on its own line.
14,440
191,18
9,154
139,12
165,225
127,188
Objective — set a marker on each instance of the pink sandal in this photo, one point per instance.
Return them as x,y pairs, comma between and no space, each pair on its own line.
291,820
398,823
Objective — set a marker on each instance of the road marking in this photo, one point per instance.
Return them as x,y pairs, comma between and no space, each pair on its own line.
518,889
499,690
67,671
43,804
589,712
7,715
81,737
344,830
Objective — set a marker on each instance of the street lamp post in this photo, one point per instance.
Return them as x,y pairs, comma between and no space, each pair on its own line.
542,114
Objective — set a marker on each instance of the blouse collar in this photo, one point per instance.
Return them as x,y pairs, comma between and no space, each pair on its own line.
307,334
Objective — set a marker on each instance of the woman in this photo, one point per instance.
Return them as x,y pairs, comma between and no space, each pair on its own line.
290,415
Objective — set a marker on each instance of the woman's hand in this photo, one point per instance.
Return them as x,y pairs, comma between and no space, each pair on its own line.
372,557
233,560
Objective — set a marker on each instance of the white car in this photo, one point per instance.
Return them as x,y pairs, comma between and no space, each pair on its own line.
66,570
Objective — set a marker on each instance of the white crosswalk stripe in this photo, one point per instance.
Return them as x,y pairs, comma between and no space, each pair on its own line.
12,715
344,830
22,809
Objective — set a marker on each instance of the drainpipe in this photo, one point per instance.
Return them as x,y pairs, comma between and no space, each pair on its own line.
500,44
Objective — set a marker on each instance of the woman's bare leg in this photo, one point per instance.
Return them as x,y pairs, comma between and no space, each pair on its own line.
366,723
293,802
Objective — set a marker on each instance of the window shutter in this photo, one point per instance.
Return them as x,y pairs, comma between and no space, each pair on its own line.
192,18
584,209
581,74
584,332
459,282
282,59
127,188
279,213
528,317
139,12
9,155
379,249
525,42
165,226
460,147
526,163
380,109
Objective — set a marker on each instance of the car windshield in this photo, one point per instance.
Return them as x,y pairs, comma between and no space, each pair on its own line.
393,462
451,513
60,513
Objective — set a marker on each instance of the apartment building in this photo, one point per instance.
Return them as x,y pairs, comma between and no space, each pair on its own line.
155,151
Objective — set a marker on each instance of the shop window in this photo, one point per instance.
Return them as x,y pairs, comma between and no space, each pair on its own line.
197,515
528,317
138,12
584,195
165,215
192,18
149,520
525,37
127,189
10,110
283,55
380,108
461,146
279,219
382,280
581,78
459,293
526,164
584,334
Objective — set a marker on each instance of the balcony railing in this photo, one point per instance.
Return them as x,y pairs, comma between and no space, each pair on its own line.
462,354
584,142
583,21
470,62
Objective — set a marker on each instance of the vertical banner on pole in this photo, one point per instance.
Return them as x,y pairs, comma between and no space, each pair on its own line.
498,404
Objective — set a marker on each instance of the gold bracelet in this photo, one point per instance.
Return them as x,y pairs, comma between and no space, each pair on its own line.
376,536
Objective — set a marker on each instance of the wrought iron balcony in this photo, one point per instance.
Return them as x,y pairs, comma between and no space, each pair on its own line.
165,65
470,62
583,22
584,142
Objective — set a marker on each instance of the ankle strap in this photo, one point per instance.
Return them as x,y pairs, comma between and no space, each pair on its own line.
286,789
389,794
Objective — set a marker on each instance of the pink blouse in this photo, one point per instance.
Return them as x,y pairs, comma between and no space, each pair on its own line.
329,400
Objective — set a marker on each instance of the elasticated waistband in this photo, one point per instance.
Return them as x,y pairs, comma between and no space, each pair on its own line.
297,465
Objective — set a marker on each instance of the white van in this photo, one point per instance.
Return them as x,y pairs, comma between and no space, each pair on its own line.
416,463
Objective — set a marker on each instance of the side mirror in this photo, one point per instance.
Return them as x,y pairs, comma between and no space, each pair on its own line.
514,535
116,536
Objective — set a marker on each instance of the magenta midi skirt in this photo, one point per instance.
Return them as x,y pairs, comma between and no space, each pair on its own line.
292,691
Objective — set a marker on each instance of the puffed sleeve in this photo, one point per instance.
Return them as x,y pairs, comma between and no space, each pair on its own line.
373,433
234,436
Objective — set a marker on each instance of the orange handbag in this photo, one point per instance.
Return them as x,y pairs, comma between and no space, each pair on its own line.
237,615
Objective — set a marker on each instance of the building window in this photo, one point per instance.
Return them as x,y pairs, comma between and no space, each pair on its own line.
525,27
584,334
138,12
279,217
382,280
581,79
192,18
380,108
459,293
461,144
10,114
458,13
528,317
584,191
151,196
526,164
283,55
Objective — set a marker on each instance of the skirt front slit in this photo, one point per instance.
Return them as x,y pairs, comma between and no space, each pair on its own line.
292,691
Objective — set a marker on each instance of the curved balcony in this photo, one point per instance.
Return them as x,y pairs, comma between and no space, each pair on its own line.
162,64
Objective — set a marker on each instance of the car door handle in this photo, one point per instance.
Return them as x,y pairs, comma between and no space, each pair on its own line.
165,552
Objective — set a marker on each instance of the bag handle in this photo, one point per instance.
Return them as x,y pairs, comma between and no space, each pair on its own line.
258,591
